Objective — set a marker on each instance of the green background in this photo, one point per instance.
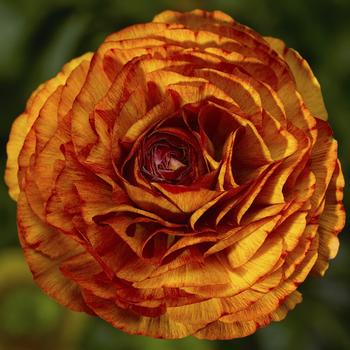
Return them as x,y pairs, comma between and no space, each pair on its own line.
38,36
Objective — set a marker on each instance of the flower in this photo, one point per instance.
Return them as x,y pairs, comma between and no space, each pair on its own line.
182,180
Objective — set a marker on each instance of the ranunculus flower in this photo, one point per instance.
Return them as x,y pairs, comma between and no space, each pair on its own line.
182,180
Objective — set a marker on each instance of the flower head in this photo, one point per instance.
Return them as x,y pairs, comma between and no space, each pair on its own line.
182,180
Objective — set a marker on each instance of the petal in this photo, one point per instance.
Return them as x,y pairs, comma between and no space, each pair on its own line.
259,265
291,230
307,84
237,234
132,323
222,330
289,304
46,123
191,274
24,122
273,190
45,249
331,221
140,31
323,161
279,140
187,199
203,312
153,202
195,17
135,231
296,256
244,249
243,93
267,304
17,136
89,274
49,278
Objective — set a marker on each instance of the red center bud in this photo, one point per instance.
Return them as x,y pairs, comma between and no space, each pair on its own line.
168,158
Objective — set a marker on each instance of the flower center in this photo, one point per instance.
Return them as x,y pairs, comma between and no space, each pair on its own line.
168,158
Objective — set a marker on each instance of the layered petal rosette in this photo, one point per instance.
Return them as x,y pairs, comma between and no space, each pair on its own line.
182,180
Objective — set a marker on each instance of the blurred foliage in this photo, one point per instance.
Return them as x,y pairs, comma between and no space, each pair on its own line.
38,36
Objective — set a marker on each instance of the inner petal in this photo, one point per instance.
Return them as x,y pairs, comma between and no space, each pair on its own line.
175,164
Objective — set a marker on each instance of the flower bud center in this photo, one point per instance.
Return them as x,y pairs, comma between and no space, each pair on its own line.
166,158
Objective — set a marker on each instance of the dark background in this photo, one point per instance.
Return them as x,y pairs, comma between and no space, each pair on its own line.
38,36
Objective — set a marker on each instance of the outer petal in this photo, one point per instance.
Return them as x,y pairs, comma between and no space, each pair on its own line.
307,84
332,221
24,122
18,133
157,327
194,18
45,249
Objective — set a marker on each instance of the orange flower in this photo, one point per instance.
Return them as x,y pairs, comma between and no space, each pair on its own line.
182,180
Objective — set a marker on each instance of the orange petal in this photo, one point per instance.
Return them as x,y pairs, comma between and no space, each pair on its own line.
259,265
267,304
101,202
17,136
132,323
252,149
142,123
244,249
222,330
88,274
295,109
134,231
296,256
268,282
46,123
289,304
273,190
307,84
188,199
226,179
280,142
45,249
323,161
239,207
24,122
242,92
153,202
49,278
193,18
291,230
140,31
240,232
191,274
94,88
331,221
203,312
34,233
